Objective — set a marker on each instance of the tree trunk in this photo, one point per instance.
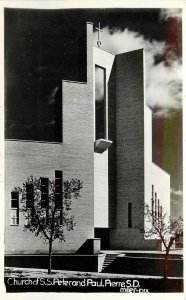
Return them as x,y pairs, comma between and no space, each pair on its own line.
165,264
166,256
50,256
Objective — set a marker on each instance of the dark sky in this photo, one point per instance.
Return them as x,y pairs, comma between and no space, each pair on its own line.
42,47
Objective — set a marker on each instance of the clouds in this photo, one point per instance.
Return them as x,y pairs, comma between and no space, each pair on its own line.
163,80
176,202
118,41
99,84
164,87
171,13
178,193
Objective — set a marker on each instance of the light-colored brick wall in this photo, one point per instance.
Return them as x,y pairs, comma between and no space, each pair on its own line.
161,182
101,217
105,60
125,166
75,157
112,150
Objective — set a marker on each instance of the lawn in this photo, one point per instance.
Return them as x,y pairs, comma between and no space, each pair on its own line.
38,280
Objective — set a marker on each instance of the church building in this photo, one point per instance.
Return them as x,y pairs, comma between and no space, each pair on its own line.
103,137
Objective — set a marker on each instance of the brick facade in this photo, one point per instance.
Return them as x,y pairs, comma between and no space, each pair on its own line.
74,156
123,174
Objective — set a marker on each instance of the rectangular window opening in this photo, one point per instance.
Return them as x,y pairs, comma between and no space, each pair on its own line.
155,210
29,195
100,103
58,190
129,215
158,213
44,192
152,203
15,208
158,208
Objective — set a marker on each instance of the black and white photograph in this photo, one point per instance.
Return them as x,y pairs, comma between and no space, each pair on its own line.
93,149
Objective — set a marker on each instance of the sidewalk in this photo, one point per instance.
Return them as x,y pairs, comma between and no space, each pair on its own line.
174,251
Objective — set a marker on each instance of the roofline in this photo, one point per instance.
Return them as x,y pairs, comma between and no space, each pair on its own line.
104,50
161,169
33,141
130,51
73,81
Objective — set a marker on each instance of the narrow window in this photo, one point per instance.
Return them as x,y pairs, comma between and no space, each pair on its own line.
158,211
29,195
152,203
161,215
44,192
58,189
158,208
129,215
14,208
155,210
100,103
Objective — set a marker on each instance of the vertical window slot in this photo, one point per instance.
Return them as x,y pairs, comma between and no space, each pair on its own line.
14,208
58,189
100,103
129,215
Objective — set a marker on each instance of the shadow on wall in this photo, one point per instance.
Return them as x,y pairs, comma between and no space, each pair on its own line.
90,246
87,263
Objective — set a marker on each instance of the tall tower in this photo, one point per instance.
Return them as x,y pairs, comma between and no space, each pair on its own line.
124,174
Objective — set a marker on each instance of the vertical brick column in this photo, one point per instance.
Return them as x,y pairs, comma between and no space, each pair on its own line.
129,147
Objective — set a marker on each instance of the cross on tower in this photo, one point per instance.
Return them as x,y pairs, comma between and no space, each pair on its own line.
99,30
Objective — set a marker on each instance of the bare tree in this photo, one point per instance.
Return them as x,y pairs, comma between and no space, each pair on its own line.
46,208
165,228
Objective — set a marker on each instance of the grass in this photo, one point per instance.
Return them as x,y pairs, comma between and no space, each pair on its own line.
153,283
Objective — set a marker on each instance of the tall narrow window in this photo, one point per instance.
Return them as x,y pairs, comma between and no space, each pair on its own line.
152,203
155,210
161,214
100,103
14,208
29,195
158,208
129,215
58,189
44,192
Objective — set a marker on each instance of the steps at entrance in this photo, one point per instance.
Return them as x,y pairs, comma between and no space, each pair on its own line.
109,259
